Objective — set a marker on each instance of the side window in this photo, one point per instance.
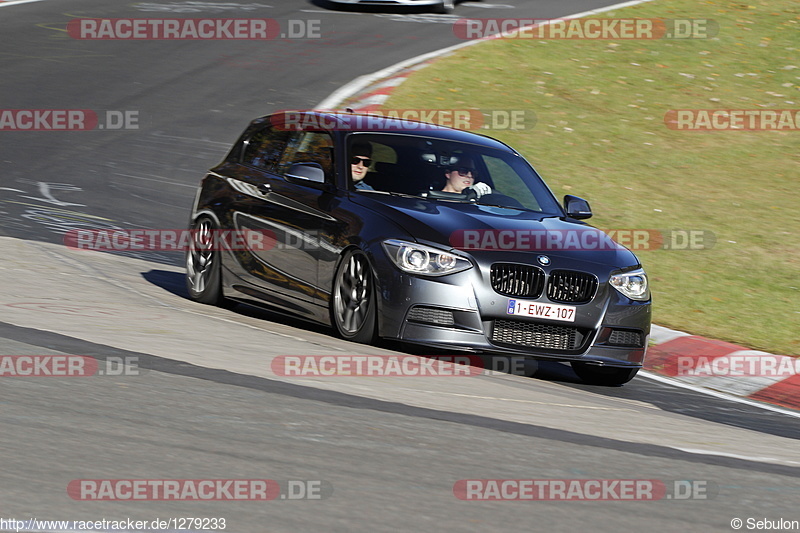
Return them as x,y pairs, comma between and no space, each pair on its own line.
308,147
371,165
263,150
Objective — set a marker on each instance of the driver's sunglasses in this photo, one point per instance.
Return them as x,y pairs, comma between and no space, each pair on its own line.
366,161
463,171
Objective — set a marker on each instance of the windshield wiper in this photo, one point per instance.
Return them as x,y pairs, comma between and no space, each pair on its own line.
515,207
391,193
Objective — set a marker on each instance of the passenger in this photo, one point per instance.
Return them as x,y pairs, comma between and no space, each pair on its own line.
359,165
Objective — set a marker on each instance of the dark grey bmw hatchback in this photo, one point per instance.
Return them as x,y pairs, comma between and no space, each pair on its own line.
404,230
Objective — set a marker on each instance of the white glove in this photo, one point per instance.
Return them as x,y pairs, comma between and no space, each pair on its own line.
481,189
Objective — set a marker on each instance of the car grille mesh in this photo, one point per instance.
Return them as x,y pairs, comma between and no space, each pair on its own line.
567,286
517,280
432,315
622,337
533,335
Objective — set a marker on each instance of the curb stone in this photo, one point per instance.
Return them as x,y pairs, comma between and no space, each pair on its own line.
676,349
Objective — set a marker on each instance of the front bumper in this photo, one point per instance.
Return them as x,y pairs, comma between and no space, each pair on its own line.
463,312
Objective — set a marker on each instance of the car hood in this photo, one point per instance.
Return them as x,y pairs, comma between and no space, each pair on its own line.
480,229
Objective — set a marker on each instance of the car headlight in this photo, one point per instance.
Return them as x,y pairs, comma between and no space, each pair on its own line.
632,284
420,259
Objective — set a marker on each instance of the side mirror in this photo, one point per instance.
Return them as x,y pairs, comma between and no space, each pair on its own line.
577,208
306,173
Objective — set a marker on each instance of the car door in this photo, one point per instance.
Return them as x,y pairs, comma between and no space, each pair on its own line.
293,214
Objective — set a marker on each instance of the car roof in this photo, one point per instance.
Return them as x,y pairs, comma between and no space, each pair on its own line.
349,123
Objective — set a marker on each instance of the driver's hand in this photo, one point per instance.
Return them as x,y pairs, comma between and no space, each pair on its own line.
481,189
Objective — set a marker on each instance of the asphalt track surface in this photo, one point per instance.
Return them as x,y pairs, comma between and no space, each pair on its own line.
203,403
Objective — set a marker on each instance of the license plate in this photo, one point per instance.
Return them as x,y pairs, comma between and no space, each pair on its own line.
565,313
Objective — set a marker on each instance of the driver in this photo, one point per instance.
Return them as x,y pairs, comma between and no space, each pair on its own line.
462,175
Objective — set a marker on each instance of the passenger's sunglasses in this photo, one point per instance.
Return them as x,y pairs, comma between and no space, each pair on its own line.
364,160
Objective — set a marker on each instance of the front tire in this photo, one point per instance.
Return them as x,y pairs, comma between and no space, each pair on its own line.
603,375
354,299
203,264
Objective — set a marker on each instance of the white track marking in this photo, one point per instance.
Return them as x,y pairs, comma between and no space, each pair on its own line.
15,2
717,394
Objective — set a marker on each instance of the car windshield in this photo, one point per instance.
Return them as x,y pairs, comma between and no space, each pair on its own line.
445,170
